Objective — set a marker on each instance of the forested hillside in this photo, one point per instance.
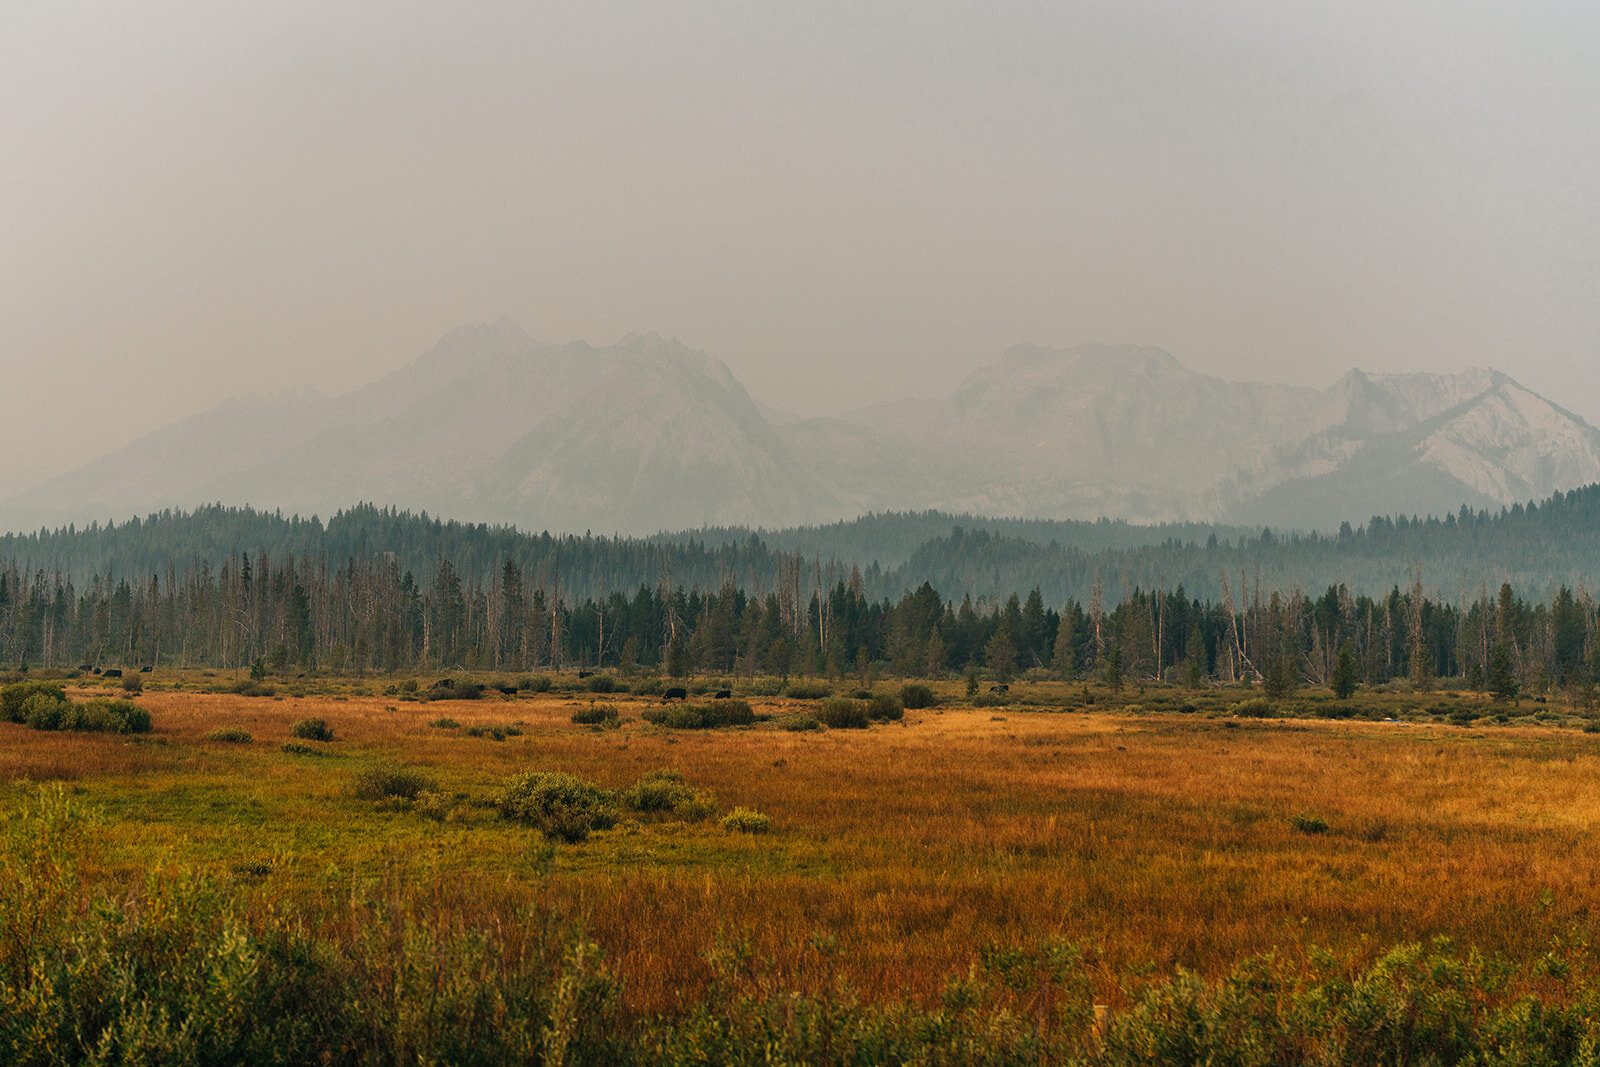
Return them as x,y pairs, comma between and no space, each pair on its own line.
379,590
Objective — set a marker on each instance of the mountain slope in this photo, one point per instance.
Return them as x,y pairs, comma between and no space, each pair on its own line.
647,434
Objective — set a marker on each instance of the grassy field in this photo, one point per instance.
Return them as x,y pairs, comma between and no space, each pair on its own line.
1156,832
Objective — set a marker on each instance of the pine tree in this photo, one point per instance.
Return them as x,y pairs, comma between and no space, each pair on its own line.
1344,672
1502,679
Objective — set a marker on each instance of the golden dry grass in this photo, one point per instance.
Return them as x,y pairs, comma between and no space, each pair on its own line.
898,853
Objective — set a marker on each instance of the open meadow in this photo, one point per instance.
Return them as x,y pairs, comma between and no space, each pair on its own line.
1033,851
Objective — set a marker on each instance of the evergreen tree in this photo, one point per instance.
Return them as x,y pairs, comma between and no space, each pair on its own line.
1344,672
1502,677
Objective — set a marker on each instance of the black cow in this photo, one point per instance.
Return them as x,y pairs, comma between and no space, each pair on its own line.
146,670
723,694
86,667
444,683
585,674
508,690
114,672
97,670
677,692
1001,688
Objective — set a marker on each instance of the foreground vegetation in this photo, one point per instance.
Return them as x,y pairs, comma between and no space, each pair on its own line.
342,870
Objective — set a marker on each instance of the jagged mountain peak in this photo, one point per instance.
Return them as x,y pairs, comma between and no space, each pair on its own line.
491,424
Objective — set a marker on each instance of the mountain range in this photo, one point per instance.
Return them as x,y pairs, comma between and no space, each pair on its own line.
647,434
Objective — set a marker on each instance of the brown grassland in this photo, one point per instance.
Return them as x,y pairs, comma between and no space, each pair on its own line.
1155,838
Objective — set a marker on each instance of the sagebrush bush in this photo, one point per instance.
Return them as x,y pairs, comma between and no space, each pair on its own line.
534,683
799,723
649,687
746,821
658,791
132,684
804,690
602,683
1258,708
12,698
381,783
497,731
231,734
597,715
312,730
702,716
445,723
915,696
559,805
842,713
885,707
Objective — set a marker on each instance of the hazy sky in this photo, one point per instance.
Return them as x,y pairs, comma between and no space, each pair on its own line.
845,201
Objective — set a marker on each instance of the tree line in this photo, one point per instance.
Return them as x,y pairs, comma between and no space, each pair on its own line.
367,614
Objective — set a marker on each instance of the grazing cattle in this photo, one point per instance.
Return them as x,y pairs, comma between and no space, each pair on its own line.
508,690
677,692
87,667
585,674
146,670
444,683
97,670
723,694
114,672
1001,688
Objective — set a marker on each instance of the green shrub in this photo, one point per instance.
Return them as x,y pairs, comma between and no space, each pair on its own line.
1309,824
649,687
133,684
842,713
559,805
12,697
915,695
231,734
657,791
602,683
803,690
702,716
534,683
885,707
799,723
746,821
597,715
295,748
44,710
489,730
445,724
1257,708
312,730
452,689
382,783
765,687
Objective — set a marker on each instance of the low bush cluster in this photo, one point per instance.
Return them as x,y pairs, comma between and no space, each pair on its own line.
601,683
746,821
46,706
233,735
1256,708
445,723
799,723
494,731
390,782
804,690
916,696
597,715
842,713
534,683
885,707
559,805
702,716
312,730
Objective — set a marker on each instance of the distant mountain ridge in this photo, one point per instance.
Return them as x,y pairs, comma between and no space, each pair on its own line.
647,434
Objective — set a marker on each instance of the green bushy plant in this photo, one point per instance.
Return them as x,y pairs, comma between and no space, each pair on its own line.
312,730
842,713
534,683
233,735
385,782
702,716
799,723
559,805
746,821
799,689
885,707
597,715
915,696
